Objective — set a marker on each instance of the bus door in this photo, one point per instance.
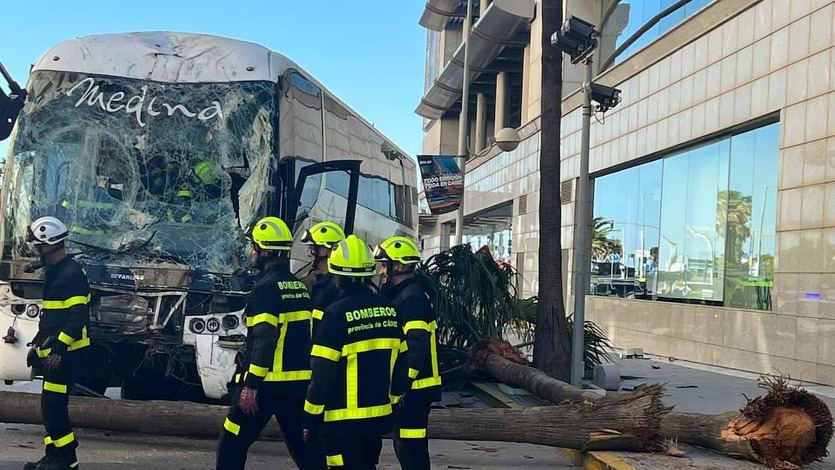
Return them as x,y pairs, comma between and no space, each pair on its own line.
342,178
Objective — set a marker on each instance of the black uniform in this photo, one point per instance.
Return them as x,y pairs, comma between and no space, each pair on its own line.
277,364
323,292
353,356
63,331
420,363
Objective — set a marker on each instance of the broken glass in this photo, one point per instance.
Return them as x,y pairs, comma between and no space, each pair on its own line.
143,172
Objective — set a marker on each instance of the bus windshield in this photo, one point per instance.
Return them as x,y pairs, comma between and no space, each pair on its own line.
143,173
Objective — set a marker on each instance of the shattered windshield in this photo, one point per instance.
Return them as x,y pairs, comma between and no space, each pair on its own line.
142,172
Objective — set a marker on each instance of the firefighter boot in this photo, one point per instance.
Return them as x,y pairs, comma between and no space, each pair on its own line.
66,461
34,465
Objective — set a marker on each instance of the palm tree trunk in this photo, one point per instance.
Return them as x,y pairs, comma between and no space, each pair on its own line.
551,353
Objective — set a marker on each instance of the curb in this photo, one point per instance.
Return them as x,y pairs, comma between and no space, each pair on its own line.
597,460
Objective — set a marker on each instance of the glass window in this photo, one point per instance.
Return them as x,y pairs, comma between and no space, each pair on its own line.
751,219
691,244
697,226
625,231
631,15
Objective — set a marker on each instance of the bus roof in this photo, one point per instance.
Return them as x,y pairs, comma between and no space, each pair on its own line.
173,57
166,57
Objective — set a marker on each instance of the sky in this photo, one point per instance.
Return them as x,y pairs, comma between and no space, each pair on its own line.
369,53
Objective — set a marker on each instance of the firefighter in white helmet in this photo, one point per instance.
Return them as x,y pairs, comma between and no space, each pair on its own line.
62,340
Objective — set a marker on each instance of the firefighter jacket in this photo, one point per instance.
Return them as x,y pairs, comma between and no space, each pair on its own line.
353,358
65,315
278,331
324,292
417,319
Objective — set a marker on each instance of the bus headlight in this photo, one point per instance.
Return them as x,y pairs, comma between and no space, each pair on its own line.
196,325
32,311
213,325
230,322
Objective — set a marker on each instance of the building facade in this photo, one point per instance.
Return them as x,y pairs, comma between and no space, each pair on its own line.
714,179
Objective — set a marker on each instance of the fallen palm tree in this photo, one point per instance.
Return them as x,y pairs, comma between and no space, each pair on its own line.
625,423
785,428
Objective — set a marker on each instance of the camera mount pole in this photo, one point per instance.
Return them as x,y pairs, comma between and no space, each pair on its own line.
582,226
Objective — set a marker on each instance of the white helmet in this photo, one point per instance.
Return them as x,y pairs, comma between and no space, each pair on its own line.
47,231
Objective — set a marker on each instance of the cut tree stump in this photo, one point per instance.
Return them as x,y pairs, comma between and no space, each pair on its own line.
786,428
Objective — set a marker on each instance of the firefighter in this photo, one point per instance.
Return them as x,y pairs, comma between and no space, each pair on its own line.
398,257
61,343
349,402
275,367
321,239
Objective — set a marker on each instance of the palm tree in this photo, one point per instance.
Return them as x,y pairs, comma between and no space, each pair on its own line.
551,353
601,245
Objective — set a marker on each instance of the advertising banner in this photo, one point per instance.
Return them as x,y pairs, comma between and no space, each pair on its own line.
442,182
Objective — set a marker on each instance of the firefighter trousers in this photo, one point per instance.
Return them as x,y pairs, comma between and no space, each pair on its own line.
409,437
241,430
59,440
356,452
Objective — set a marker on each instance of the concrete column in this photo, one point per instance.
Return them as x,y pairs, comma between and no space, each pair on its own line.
446,230
482,7
501,102
480,121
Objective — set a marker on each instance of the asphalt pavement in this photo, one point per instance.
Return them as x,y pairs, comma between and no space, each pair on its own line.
105,451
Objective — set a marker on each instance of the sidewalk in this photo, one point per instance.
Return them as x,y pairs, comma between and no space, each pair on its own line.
700,389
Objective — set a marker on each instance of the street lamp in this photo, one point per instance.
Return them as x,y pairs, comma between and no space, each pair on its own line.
578,39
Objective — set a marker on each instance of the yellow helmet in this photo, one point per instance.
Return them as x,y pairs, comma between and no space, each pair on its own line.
402,250
271,233
352,257
326,234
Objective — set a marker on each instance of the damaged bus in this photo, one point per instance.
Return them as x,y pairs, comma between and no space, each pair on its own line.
159,150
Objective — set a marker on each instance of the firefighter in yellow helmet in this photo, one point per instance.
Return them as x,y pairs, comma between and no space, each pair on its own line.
398,257
349,406
274,370
321,238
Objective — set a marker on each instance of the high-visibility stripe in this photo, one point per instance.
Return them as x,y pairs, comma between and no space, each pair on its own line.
258,371
352,385
54,387
82,343
313,409
262,318
47,441
358,413
413,373
426,383
413,433
301,315
61,442
237,378
65,338
74,464
395,399
419,325
62,304
335,460
370,345
233,428
42,353
289,376
325,352
317,314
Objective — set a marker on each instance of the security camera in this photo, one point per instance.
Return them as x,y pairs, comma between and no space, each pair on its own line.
507,139
577,38
606,97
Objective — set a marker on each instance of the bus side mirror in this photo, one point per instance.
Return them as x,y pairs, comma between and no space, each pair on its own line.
10,104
